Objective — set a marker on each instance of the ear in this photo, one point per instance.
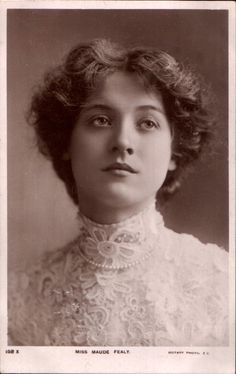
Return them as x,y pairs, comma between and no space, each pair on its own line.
172,165
66,156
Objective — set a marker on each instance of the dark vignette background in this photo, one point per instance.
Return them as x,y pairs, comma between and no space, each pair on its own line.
40,215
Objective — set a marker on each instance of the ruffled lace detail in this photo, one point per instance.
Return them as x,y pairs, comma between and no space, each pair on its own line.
118,246
177,295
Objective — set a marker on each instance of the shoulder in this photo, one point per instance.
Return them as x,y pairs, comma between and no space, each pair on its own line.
31,291
200,273
205,265
49,266
190,251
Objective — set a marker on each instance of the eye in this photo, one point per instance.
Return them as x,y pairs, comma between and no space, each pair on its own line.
101,121
148,125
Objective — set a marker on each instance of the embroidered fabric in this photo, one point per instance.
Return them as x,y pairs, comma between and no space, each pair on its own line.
135,283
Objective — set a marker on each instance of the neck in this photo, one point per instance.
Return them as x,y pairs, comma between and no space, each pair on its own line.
120,245
108,215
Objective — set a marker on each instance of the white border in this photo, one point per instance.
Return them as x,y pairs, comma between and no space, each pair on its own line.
231,166
87,4
139,360
3,184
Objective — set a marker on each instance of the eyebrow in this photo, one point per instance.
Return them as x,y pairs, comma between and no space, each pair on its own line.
107,107
152,107
95,106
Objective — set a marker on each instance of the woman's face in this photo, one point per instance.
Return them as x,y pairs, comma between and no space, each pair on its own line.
120,148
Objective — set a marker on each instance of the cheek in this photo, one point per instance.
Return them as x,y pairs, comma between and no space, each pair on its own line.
156,160
157,153
85,141
84,150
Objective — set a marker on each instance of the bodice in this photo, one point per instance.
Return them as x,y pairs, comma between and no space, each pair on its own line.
135,283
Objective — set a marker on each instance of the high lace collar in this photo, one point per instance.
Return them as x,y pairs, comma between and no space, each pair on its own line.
120,245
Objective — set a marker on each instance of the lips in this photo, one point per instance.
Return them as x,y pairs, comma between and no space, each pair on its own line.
120,166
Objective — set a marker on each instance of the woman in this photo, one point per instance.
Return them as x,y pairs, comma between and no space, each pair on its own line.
120,127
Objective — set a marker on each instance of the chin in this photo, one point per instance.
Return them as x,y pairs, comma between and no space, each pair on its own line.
125,202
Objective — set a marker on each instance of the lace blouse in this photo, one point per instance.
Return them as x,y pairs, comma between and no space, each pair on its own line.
135,283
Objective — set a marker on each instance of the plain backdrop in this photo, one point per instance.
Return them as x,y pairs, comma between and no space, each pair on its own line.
40,214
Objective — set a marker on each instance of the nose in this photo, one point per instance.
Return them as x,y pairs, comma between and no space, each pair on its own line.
123,138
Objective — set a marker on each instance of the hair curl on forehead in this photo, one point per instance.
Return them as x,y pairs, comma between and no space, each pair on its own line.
57,103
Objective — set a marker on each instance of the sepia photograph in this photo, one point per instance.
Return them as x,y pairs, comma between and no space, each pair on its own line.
119,209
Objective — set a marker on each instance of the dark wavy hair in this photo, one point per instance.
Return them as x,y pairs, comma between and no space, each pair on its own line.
57,103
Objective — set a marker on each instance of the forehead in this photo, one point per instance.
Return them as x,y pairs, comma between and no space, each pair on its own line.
124,89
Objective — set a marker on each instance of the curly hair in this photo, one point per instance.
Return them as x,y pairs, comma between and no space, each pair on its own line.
57,103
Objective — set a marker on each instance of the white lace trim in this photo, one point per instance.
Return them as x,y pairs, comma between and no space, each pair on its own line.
121,245
177,296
